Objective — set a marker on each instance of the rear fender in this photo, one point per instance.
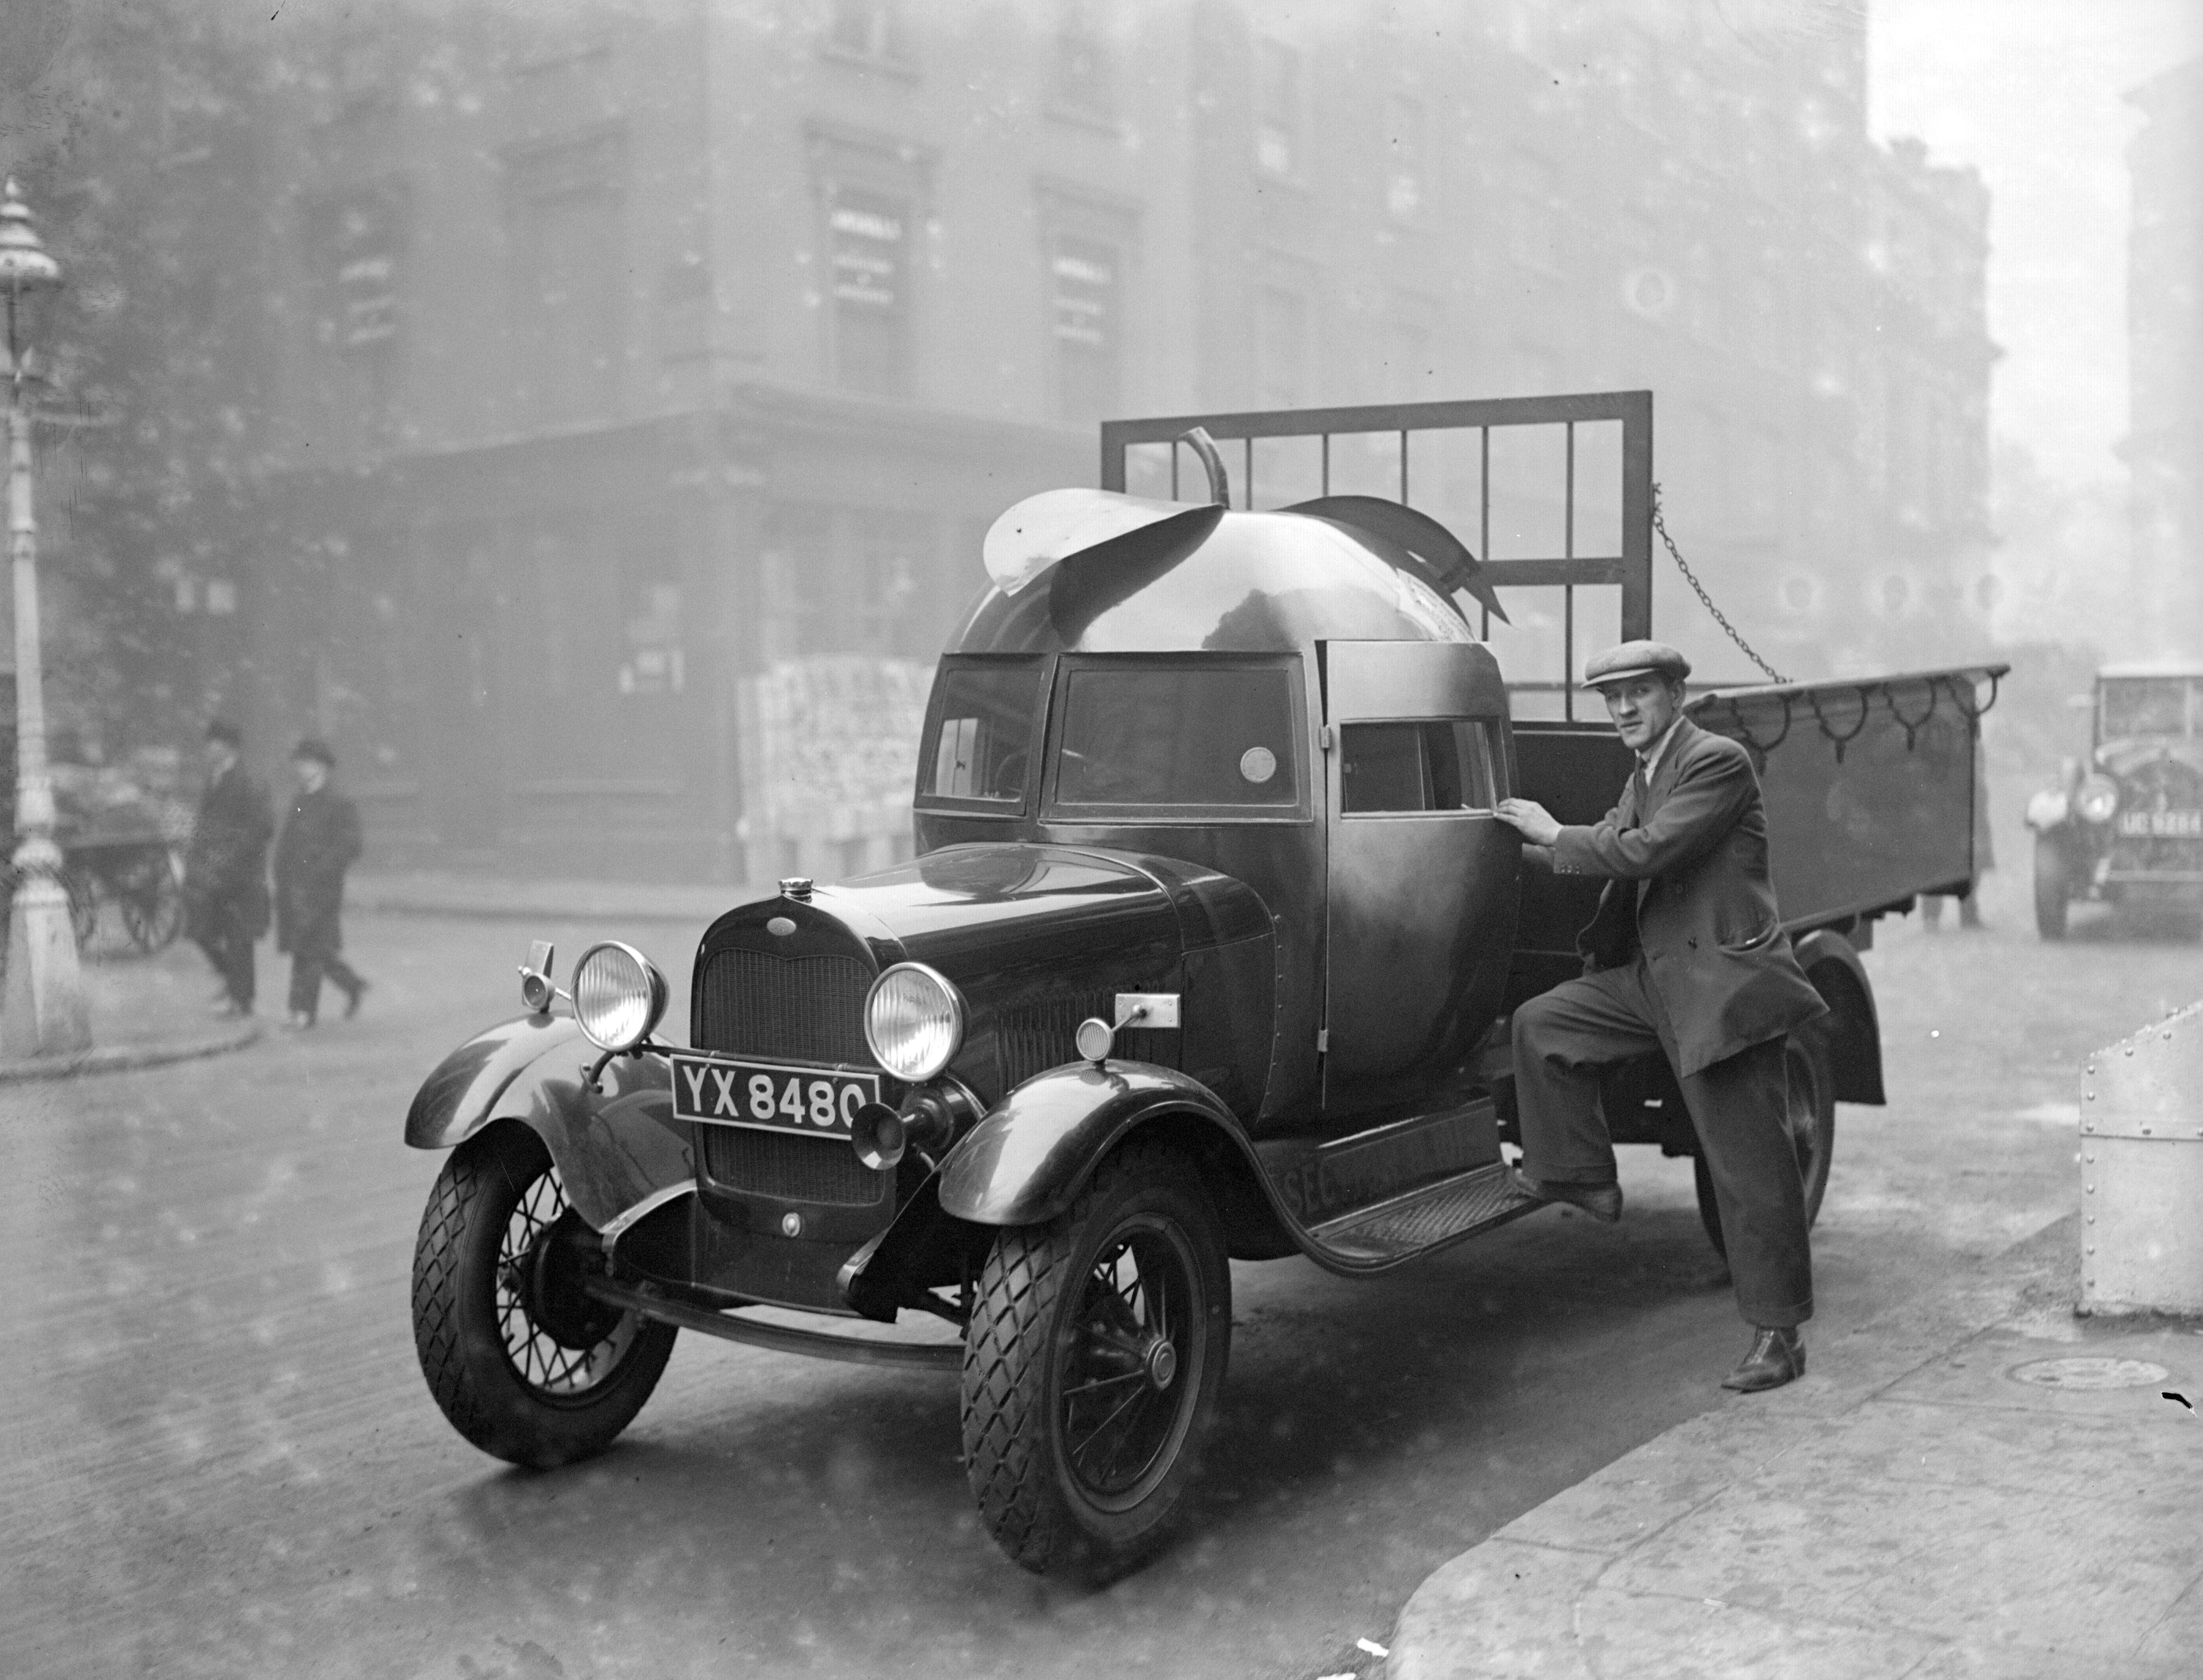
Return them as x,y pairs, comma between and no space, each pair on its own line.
615,1142
1832,965
1027,1161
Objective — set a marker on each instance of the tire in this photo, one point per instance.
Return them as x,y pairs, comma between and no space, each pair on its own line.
1069,1316
153,906
522,1363
1809,1117
2052,889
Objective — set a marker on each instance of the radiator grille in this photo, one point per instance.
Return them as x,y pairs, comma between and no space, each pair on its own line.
802,1009
2166,785
790,1166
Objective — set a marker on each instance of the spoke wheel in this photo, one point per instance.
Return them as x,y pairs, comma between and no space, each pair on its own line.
1809,1117
524,1363
1092,1366
152,905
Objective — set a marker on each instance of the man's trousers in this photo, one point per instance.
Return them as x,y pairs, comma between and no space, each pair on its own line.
1564,1038
221,927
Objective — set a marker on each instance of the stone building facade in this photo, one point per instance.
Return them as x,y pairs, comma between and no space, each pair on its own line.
650,372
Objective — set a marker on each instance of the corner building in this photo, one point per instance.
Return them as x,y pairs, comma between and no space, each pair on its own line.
659,368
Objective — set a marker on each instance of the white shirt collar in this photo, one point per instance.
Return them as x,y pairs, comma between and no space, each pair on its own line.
1652,760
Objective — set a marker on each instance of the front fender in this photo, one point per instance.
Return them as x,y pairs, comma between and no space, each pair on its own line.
1832,963
616,1143
1027,1161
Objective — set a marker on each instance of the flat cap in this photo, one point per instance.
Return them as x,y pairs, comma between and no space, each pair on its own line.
1640,658
317,750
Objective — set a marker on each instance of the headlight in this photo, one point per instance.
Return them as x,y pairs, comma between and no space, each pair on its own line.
2098,799
913,1021
618,995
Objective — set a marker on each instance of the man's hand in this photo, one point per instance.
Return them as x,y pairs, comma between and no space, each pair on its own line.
1531,819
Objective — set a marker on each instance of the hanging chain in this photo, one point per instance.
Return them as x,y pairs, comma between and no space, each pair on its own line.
1659,524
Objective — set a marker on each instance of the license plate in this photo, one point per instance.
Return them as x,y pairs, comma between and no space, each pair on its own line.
2163,824
822,1102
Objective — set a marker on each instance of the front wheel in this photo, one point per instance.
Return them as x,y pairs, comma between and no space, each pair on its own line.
153,905
525,1364
1808,1116
1092,1365
2052,890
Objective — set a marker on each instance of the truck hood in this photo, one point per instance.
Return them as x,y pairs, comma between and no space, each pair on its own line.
974,908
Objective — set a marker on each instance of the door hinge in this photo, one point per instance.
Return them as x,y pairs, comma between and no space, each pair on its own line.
1326,738
1322,1039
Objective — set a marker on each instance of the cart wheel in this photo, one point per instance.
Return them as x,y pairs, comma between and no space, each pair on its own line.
1808,1116
2052,890
1096,1352
83,890
153,907
524,1366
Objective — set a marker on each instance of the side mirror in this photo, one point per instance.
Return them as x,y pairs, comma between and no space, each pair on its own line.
538,990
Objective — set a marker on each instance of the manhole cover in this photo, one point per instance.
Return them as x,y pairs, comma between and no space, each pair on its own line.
2089,1373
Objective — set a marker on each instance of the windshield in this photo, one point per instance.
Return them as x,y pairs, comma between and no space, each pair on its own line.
1213,735
2151,706
982,732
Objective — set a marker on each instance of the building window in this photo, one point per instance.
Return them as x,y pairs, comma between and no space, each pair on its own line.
1404,165
568,259
872,30
1277,108
1281,347
1083,278
1085,77
869,233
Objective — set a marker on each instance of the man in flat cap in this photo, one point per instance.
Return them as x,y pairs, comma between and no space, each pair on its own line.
1687,955
320,839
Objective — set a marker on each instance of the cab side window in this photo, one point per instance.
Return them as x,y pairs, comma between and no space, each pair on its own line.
1434,764
985,732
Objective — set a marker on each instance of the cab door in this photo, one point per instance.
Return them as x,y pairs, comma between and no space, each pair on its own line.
1423,878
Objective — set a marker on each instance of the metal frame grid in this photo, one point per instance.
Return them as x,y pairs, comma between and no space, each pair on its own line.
1631,570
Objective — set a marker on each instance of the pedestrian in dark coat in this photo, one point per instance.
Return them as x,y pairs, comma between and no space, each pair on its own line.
226,868
1687,955
320,839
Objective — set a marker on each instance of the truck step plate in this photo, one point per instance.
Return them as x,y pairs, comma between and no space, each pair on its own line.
1392,1233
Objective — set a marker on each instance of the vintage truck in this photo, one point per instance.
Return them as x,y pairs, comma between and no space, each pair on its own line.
1207,953
2126,828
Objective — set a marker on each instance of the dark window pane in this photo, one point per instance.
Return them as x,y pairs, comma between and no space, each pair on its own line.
1215,736
1443,764
981,748
2145,708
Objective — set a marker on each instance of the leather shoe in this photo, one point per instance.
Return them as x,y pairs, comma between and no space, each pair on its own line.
352,998
1602,1201
1777,1356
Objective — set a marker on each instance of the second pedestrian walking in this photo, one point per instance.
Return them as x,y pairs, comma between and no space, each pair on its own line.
320,839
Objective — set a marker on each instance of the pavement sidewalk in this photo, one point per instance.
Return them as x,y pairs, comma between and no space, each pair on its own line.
146,1010
1976,1483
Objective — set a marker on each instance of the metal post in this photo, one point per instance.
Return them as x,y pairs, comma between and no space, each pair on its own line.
44,1012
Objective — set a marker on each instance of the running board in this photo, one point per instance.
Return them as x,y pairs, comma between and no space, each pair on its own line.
1371,1240
780,1338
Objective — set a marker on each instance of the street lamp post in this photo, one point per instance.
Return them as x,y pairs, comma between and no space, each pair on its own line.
43,1013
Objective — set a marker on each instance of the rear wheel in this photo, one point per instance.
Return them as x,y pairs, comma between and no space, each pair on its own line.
152,903
525,1364
1092,1365
1808,1116
2052,891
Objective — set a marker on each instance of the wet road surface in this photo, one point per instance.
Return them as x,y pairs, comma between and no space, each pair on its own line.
220,1458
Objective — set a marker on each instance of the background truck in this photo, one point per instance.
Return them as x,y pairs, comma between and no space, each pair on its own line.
2126,827
1209,953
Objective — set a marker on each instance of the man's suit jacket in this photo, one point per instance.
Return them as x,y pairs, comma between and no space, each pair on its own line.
1685,860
